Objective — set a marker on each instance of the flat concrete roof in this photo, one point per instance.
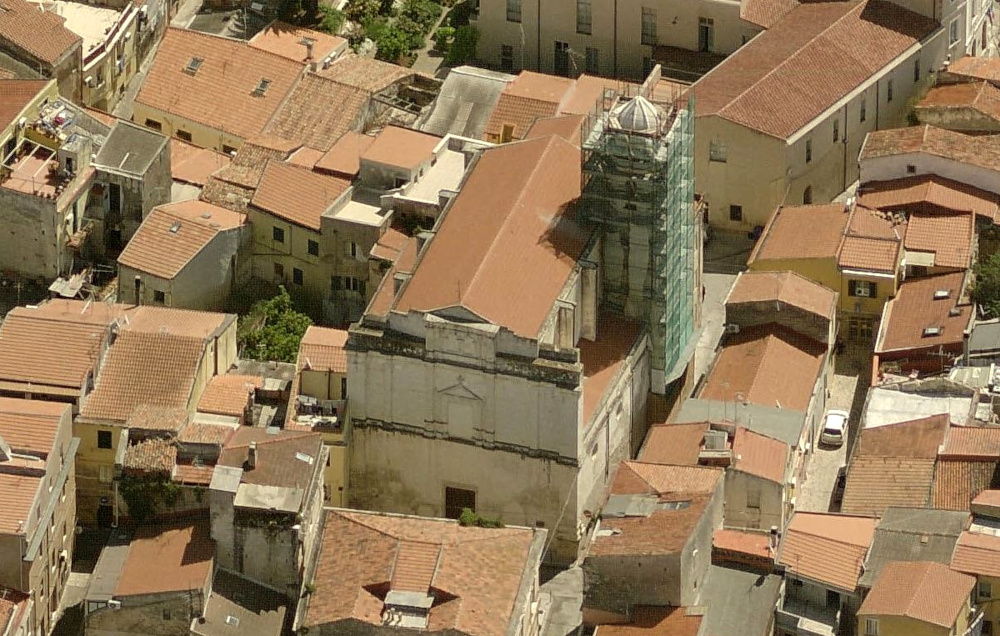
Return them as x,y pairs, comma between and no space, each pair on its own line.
269,498
109,567
87,21
357,212
886,406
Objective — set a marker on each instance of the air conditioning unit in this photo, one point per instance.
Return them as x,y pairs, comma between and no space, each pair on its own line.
115,604
732,328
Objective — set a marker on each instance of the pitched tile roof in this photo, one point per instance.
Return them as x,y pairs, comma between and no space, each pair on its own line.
751,542
603,359
977,553
788,287
802,232
826,548
279,456
18,492
638,477
174,234
181,555
365,73
401,147
972,442
929,190
297,194
54,345
915,309
200,475
151,457
229,394
948,236
222,93
987,68
202,433
922,590
41,34
322,349
194,165
287,40
664,532
875,483
911,534
318,111
16,94
569,127
765,13
806,62
873,241
509,224
30,427
149,417
759,455
982,97
12,605
769,365
917,439
958,482
656,621
343,159
178,322
678,444
982,151
476,580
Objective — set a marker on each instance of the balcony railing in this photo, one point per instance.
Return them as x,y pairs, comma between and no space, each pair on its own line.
808,619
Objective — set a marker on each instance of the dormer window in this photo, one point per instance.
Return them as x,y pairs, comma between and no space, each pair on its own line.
193,65
941,294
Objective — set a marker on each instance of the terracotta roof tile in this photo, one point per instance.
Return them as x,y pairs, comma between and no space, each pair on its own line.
41,34
768,366
915,309
982,97
150,457
193,475
365,73
30,427
278,456
148,417
923,590
534,96
977,553
664,532
759,455
16,94
637,477
603,359
876,255
476,580
286,40
806,62
401,147
482,254
929,190
989,498
787,287
979,442
18,492
201,433
181,555
826,548
222,93
987,68
297,194
343,159
518,112
175,233
982,151
194,165
916,439
958,482
569,127
389,245
13,604
656,621
678,444
322,349
403,263
875,483
306,157
802,232
948,236
229,394
754,543
318,112
765,13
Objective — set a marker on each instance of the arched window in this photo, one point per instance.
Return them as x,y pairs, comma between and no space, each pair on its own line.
807,195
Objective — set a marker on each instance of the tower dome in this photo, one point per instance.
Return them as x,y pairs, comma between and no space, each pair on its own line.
637,115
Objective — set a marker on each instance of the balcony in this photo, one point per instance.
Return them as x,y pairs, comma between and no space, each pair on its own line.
975,623
808,619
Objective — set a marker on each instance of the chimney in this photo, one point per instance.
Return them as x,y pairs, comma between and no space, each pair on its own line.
309,49
252,456
138,290
773,540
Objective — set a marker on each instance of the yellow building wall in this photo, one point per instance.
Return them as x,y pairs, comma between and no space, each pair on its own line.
904,626
885,289
327,386
820,270
990,609
292,253
105,95
89,460
201,135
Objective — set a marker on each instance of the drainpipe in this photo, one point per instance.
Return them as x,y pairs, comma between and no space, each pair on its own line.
845,141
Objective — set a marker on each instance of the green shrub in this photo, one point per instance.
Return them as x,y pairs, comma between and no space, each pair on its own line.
986,287
442,38
331,21
273,330
392,44
413,30
463,49
468,518
362,11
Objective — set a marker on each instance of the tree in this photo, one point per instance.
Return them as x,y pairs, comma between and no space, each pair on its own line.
392,44
273,329
332,20
463,49
986,288
442,38
362,11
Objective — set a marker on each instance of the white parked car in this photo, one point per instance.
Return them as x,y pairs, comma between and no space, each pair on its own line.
834,428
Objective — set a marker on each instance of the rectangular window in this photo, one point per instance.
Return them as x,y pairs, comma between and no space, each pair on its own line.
183,135
888,91
593,66
297,276
916,70
106,474
229,150
717,151
985,589
648,34
513,10
809,150
343,388
506,57
279,271
104,439
155,125
871,627
736,213
836,130
313,248
458,499
278,234
159,297
864,110
953,31
583,17
862,289
706,34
